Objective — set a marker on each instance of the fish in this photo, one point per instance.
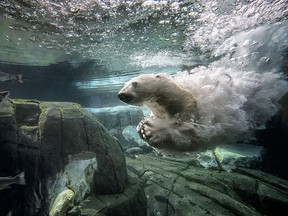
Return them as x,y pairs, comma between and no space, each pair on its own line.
6,182
3,95
4,77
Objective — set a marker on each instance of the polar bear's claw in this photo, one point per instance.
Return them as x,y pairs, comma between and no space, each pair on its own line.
148,131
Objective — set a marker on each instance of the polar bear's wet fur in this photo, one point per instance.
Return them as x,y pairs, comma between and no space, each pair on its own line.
204,107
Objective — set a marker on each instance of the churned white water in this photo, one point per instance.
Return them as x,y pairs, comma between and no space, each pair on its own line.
230,101
242,88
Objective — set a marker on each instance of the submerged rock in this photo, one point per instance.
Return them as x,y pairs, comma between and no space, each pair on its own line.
62,148
130,133
176,186
78,176
130,202
118,120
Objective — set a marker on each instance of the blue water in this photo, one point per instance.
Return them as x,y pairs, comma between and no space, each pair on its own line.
91,48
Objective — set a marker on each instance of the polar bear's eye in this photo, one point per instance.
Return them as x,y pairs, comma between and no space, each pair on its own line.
158,76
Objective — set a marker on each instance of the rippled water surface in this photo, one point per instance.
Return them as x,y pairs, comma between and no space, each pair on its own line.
80,50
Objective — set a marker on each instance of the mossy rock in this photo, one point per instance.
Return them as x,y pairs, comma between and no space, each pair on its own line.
40,137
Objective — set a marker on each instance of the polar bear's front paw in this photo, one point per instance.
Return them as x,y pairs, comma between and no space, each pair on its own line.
151,132
140,129
144,129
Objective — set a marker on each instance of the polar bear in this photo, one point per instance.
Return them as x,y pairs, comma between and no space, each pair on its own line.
173,109
204,107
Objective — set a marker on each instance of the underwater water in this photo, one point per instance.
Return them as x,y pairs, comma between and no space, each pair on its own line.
231,54
84,52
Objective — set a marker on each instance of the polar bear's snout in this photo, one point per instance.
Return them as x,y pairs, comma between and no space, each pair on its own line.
125,97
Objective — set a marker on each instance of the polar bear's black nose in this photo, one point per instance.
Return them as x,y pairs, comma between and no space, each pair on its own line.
124,97
121,96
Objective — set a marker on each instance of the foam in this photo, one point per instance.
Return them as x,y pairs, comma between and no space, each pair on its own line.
230,101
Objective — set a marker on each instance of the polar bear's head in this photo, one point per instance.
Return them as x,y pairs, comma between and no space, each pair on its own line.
141,89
